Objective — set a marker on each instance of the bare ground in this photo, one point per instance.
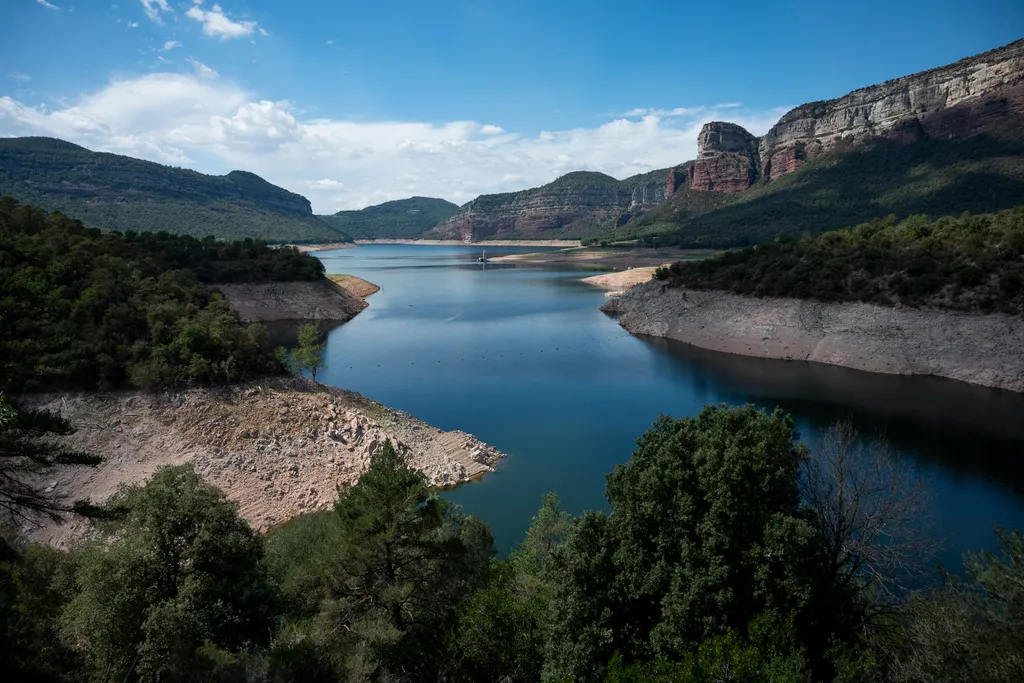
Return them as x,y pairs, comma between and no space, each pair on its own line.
622,280
606,257
354,285
316,300
278,447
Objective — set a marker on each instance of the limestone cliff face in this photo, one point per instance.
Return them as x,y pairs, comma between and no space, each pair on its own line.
950,101
564,208
726,158
980,349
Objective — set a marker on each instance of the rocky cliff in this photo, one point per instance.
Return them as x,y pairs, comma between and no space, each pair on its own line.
726,158
575,205
980,349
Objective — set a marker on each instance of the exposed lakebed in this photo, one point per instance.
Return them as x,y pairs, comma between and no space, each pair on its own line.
522,358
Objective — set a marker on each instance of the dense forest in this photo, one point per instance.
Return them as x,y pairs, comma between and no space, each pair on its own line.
83,308
969,263
850,185
115,192
401,219
730,552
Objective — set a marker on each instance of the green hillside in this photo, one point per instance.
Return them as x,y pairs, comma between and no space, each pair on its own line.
968,263
115,192
401,219
851,185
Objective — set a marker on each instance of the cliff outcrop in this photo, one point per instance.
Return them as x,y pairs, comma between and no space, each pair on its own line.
572,206
726,158
980,349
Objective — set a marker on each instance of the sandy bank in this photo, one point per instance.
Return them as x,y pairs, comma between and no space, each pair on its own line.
622,280
327,246
356,286
484,243
980,349
606,257
279,447
316,300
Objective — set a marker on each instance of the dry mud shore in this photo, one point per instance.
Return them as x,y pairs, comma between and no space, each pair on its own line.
481,243
980,349
622,280
278,447
605,257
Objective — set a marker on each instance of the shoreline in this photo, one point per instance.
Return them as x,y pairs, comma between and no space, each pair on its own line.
606,257
986,350
326,246
278,446
482,243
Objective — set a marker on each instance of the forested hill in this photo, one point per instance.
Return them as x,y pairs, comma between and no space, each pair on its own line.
969,263
401,219
115,192
80,308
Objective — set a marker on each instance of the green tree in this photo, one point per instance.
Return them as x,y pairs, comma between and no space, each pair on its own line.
175,570
308,355
407,558
969,630
705,534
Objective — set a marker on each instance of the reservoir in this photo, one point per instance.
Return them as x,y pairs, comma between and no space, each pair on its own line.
522,358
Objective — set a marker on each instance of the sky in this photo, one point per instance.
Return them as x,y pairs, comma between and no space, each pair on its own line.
353,103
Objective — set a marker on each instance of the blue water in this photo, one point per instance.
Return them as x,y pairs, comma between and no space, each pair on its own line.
522,358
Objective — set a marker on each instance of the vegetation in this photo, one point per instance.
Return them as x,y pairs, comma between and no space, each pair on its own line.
116,192
714,563
81,308
850,185
585,204
308,354
970,263
402,219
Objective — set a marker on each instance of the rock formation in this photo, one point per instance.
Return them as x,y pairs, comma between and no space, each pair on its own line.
562,208
950,101
726,158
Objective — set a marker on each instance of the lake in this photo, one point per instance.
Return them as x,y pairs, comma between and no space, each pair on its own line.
522,358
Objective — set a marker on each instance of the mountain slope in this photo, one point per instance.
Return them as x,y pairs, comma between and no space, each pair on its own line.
940,142
401,219
580,204
116,192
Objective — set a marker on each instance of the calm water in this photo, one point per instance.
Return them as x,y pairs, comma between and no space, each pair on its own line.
523,358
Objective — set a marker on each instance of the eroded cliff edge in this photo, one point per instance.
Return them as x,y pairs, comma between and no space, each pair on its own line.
981,349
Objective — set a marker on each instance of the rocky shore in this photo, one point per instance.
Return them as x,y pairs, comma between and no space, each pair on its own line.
981,349
279,447
317,300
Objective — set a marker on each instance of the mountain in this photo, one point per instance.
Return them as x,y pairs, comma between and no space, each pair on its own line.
401,219
116,192
580,204
938,142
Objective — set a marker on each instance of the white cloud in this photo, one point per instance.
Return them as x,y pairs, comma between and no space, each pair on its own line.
210,124
46,4
201,69
24,78
171,44
153,8
132,24
217,24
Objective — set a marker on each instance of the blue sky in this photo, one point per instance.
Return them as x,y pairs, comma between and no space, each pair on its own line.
353,103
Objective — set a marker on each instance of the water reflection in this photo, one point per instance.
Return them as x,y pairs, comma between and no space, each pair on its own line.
971,430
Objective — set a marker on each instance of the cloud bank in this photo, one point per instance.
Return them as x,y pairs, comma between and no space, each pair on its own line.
204,122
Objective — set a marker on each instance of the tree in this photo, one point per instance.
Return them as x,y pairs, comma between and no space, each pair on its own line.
308,355
406,560
175,569
971,629
23,453
705,534
868,509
